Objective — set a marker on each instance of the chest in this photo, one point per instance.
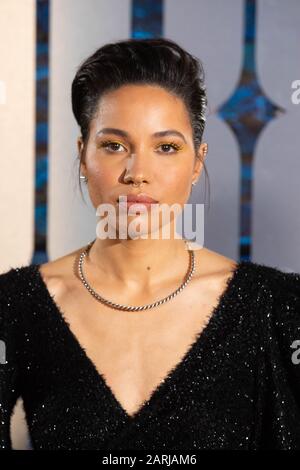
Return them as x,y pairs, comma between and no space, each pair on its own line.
135,351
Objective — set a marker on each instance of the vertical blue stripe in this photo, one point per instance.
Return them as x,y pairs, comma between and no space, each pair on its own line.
146,18
41,131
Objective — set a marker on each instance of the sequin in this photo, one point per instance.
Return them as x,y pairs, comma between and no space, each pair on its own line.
236,387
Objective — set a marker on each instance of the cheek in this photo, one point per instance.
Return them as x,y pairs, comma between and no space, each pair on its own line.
101,177
176,179
106,178
102,182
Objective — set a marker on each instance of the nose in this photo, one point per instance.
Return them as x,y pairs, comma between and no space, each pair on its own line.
136,169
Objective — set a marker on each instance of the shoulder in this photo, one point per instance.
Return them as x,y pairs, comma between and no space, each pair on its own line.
13,280
272,283
285,292
211,263
268,287
59,275
283,287
278,307
272,279
16,285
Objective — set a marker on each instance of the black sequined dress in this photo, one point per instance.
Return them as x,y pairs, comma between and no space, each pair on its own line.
237,387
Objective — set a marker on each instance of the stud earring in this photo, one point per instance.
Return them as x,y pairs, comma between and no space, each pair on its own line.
193,184
84,178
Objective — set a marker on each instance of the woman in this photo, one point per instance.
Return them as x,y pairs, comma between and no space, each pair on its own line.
112,346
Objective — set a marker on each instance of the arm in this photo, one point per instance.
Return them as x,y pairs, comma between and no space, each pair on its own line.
9,372
281,339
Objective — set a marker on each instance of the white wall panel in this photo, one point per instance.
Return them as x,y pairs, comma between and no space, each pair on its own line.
213,31
77,29
17,131
276,195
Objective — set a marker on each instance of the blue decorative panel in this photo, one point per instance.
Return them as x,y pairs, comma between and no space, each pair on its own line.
147,18
247,112
41,174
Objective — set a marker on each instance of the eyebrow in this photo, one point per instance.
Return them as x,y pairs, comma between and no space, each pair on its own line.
120,132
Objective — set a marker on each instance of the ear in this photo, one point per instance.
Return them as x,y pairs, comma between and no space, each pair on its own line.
200,157
80,146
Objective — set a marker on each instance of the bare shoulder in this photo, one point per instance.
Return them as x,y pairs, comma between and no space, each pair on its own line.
211,262
60,273
214,270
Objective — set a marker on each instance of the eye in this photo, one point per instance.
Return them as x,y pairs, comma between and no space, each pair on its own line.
111,146
171,145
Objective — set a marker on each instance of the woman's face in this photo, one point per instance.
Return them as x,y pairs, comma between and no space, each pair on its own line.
132,150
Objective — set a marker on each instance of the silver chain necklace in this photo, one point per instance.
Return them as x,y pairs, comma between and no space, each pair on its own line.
128,307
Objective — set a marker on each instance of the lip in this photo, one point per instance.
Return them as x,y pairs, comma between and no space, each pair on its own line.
141,198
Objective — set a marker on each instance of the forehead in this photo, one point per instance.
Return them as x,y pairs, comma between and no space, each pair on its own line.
142,105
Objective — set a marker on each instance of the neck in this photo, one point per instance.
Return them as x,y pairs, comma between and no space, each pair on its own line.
140,262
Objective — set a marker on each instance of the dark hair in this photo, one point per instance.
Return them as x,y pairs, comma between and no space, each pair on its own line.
157,61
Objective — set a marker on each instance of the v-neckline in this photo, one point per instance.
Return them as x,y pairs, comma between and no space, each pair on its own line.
199,339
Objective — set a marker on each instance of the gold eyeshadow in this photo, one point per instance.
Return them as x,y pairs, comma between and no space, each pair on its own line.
106,142
175,146
172,144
